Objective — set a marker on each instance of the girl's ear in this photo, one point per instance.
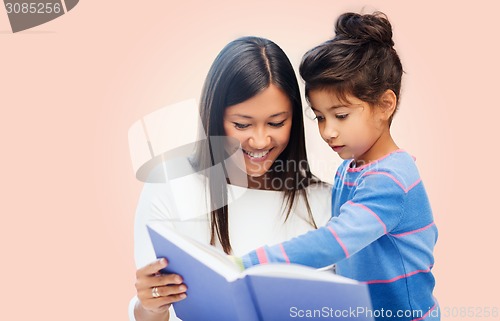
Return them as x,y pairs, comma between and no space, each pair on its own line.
388,102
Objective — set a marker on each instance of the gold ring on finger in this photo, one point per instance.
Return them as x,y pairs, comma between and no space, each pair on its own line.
154,292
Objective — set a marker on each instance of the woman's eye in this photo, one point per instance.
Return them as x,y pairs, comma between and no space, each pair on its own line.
280,124
240,126
319,118
341,116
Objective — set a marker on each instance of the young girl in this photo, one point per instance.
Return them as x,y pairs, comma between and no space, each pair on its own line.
382,230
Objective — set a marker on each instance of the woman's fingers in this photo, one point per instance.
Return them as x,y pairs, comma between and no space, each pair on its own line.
164,279
149,276
173,292
157,291
152,268
170,290
166,295
161,303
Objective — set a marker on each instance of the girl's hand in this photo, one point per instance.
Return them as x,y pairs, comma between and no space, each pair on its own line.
238,261
156,291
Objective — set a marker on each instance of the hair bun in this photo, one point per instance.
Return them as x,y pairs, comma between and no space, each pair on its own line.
367,28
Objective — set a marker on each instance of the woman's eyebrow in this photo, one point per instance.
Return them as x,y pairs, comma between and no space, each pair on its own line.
279,114
240,115
250,117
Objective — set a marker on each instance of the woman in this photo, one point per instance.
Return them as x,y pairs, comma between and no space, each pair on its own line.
250,96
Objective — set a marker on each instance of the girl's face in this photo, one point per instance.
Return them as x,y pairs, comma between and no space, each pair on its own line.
354,129
262,126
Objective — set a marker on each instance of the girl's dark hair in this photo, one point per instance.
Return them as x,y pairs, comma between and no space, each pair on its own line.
244,68
360,60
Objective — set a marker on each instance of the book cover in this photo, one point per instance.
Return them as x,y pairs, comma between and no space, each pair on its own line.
218,290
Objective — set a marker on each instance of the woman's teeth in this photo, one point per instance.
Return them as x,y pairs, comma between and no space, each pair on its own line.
257,155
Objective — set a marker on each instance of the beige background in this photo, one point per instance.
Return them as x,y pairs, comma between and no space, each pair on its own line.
70,89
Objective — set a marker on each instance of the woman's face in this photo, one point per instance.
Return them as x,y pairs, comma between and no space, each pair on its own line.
262,126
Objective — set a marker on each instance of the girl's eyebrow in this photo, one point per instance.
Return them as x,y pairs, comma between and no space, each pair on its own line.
331,107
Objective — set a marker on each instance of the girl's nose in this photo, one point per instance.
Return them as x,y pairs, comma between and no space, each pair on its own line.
329,132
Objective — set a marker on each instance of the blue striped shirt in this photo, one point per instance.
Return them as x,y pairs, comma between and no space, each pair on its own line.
381,233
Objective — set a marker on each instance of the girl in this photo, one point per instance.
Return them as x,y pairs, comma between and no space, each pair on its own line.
250,95
382,230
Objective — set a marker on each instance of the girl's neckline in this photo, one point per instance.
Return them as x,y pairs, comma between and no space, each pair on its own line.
360,168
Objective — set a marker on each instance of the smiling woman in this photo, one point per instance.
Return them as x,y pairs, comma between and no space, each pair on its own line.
251,96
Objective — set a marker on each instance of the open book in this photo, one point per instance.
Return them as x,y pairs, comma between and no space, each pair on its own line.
218,290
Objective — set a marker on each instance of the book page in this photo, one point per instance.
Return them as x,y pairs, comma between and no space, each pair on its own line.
296,271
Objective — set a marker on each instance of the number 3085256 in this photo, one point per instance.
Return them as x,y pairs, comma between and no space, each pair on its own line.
33,7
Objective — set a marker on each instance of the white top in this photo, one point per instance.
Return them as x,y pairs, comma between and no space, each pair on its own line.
256,217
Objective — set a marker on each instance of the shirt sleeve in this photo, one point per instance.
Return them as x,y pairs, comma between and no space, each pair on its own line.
375,208
154,205
131,313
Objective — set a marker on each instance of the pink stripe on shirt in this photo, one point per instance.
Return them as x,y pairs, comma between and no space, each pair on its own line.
358,169
339,241
285,256
406,190
414,231
261,255
371,212
399,277
425,315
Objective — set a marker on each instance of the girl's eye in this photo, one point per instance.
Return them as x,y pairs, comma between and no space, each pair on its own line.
240,126
277,125
319,118
341,116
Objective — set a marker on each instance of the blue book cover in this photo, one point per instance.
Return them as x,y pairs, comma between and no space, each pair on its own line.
218,290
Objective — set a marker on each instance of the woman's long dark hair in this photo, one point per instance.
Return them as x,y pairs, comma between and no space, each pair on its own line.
244,68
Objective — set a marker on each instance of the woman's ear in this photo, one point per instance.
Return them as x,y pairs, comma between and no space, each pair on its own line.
387,104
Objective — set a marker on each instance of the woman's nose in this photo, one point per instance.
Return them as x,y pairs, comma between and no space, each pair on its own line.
259,139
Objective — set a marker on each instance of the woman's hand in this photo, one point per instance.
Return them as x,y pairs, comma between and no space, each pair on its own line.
157,291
